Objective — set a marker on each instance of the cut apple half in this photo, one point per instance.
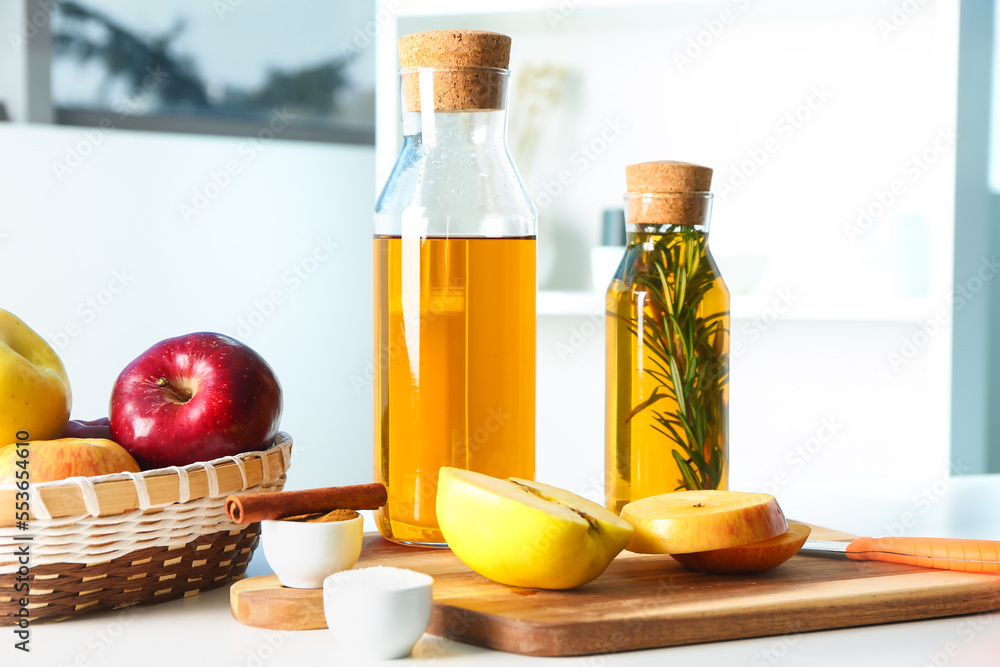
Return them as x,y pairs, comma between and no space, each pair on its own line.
754,557
523,533
690,521
52,460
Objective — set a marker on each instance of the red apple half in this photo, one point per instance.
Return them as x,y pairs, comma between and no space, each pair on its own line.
195,398
754,557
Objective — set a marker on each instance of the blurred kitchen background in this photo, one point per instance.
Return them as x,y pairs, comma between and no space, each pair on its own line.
186,165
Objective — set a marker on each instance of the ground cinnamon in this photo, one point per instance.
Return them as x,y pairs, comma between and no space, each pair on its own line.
329,517
254,507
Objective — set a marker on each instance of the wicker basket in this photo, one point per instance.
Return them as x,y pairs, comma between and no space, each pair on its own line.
133,538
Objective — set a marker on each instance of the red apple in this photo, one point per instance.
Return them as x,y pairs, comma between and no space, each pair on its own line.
51,460
195,398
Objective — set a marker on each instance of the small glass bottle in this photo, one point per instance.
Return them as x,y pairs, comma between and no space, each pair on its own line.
454,274
667,328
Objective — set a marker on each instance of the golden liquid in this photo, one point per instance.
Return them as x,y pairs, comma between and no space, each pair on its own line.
454,369
638,457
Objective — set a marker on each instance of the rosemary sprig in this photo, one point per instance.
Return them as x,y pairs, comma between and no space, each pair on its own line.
685,346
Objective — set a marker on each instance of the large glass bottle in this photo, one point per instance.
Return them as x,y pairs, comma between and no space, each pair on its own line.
667,328
454,274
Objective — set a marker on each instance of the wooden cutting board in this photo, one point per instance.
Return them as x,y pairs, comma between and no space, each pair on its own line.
644,601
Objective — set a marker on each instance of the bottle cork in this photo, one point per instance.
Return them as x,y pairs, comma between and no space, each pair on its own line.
462,61
668,193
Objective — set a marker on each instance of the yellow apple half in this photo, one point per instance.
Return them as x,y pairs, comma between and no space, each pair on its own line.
688,521
753,557
51,460
34,389
524,533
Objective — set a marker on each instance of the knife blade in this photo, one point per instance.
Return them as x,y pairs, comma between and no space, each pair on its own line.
935,552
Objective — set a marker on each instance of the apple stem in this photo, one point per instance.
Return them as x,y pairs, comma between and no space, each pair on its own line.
180,393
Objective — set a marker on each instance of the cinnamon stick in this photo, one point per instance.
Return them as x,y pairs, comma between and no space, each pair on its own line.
254,507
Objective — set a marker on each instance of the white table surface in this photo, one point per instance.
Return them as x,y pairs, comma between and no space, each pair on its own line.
200,630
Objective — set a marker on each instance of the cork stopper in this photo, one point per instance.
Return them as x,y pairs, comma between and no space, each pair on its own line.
464,62
668,193
667,176
454,48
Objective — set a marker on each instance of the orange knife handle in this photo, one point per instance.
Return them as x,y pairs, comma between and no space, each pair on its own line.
939,553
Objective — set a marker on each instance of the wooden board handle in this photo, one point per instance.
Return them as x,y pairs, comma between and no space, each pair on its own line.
938,553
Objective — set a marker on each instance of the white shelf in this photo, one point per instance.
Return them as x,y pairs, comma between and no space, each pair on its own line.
895,250
748,308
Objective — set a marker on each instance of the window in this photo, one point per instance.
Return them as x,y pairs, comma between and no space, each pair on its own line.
221,67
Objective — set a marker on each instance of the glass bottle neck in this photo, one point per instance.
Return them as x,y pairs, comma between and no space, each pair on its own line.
654,215
639,233
457,107
454,128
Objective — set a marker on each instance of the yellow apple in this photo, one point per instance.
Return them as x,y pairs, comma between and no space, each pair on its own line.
35,396
51,460
688,521
753,557
524,533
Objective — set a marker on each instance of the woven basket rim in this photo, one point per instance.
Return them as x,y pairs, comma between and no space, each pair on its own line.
150,489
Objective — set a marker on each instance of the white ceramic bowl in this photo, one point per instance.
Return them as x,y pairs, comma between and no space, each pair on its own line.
304,554
378,612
